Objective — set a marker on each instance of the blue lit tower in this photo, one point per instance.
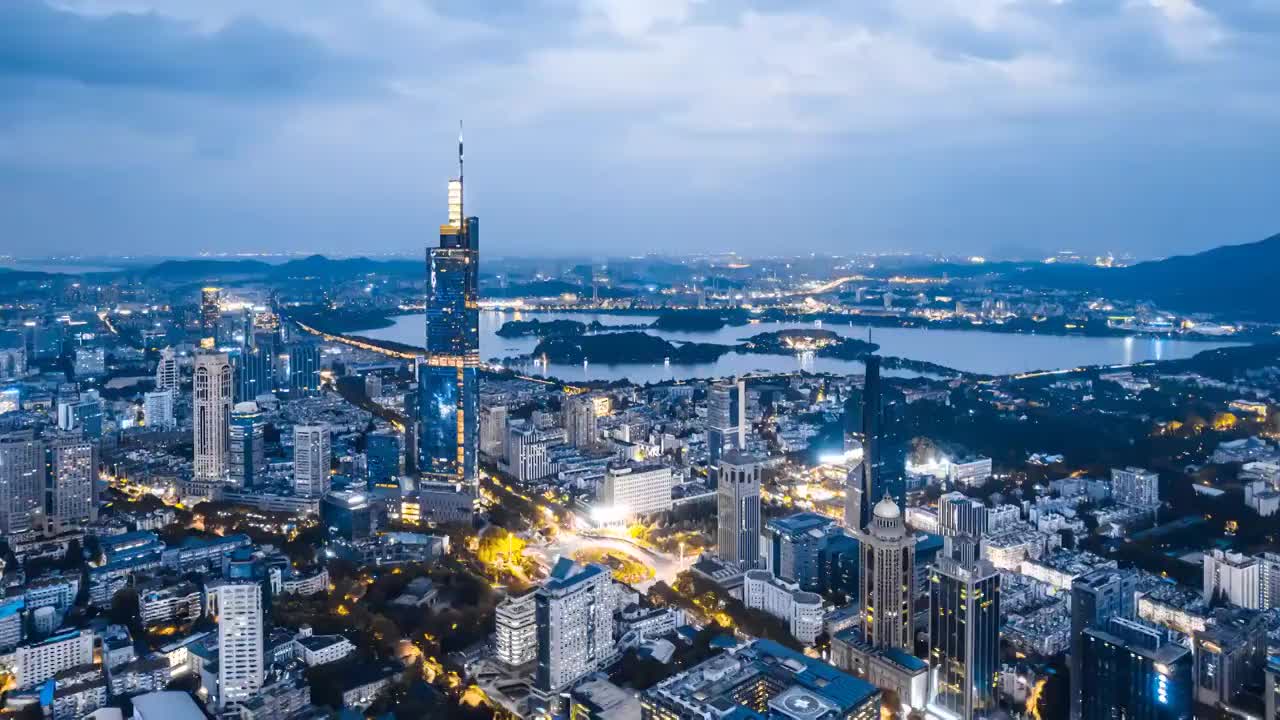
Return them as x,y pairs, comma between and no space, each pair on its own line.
884,450
449,395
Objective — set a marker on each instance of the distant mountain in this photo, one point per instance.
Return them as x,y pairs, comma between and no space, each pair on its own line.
200,269
313,266
1238,280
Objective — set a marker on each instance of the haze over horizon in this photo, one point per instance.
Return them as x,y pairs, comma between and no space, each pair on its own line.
958,126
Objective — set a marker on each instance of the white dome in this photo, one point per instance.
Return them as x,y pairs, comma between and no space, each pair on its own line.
887,509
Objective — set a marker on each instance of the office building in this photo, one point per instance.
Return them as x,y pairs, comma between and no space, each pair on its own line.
22,480
884,451
629,491
575,625
71,474
157,410
246,454
1096,597
347,515
961,515
240,641
382,458
738,510
1229,656
167,371
1234,577
1135,487
579,420
516,624
762,680
726,423
887,589
802,611
449,392
255,372
1130,667
304,369
795,542
311,460
211,417
210,311
964,633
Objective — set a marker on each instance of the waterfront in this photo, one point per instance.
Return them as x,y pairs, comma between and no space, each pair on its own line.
968,350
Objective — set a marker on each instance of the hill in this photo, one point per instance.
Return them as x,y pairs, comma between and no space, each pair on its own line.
1236,280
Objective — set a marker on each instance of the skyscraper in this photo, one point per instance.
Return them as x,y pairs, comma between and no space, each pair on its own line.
22,470
311,460
240,641
726,420
1096,597
246,454
449,395
210,311
382,452
254,373
167,371
71,473
1131,668
304,368
211,410
738,510
964,632
888,578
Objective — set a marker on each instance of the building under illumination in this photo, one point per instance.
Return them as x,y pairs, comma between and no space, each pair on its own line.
448,391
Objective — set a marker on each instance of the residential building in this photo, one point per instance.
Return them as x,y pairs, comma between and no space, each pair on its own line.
516,639
1135,487
157,409
240,641
575,625
1233,576
22,481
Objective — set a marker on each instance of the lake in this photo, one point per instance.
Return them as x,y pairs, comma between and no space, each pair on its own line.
970,350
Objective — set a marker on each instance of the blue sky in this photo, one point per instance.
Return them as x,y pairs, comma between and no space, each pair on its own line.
607,127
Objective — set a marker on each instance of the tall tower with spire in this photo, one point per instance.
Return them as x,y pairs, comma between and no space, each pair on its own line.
449,394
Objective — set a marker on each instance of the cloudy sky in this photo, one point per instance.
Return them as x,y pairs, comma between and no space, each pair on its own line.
609,127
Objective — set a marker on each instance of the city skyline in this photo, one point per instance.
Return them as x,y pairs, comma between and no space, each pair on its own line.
230,127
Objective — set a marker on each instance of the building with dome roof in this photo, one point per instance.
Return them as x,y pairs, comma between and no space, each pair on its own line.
887,587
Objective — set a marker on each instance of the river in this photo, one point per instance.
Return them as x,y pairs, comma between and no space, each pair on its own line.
976,351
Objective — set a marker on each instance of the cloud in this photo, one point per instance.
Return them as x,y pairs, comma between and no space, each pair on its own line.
304,122
149,51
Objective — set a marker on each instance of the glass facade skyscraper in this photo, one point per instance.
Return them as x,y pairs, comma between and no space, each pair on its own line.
449,394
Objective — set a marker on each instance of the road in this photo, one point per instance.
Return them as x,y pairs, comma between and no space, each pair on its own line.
568,542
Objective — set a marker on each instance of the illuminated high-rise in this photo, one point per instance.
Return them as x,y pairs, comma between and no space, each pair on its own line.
211,410
210,311
449,395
